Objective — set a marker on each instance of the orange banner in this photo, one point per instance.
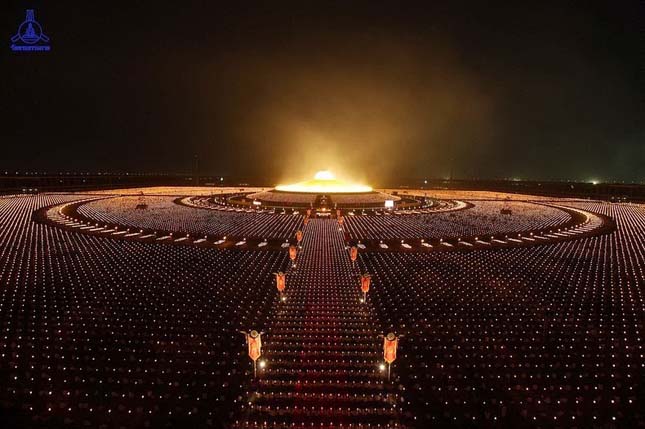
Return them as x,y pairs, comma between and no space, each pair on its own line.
254,341
366,280
280,280
390,343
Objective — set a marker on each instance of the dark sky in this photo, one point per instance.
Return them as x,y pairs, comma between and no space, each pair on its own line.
375,90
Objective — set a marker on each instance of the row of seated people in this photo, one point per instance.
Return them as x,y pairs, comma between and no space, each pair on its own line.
362,199
162,213
284,198
308,200
548,336
223,204
105,334
171,191
484,218
454,194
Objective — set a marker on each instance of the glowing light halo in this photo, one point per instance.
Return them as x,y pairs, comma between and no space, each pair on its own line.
324,182
324,175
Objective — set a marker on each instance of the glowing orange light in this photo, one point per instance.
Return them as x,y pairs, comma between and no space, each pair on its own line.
324,182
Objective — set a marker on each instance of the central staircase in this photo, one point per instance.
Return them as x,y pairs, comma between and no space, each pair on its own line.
321,351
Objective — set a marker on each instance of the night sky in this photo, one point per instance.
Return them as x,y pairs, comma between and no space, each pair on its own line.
374,90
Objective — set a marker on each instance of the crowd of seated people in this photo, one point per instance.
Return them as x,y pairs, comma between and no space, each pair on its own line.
105,334
163,213
549,336
483,218
108,333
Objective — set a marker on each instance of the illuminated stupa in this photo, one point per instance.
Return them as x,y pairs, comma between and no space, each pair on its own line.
323,191
324,182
